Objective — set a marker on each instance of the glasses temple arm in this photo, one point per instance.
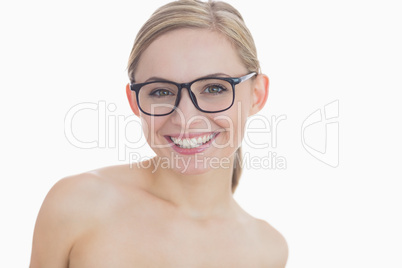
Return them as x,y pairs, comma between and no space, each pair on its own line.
248,76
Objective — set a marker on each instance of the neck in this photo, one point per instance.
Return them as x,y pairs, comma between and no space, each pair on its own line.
200,196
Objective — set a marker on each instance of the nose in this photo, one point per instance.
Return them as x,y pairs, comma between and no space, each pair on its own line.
186,111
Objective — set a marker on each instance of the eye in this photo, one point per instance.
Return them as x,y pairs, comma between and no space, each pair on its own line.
214,89
161,93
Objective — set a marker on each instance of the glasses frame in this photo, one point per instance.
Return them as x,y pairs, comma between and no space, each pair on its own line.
232,80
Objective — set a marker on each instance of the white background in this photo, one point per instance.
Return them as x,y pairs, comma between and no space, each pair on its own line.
56,54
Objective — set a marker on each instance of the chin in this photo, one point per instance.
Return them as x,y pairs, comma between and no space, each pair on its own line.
192,170
196,164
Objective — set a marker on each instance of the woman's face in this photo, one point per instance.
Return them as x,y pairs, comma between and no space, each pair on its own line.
182,56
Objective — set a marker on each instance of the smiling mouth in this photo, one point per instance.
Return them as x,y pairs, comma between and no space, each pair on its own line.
187,143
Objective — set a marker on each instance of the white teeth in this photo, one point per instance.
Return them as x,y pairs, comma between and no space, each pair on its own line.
192,143
186,143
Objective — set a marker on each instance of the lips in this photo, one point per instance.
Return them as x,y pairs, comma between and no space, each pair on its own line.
195,142
191,143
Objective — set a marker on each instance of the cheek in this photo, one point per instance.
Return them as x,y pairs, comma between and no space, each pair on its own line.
233,121
239,113
151,125
243,107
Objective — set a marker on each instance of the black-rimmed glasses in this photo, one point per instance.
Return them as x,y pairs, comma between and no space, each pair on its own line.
208,94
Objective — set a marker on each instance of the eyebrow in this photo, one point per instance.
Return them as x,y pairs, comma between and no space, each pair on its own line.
156,78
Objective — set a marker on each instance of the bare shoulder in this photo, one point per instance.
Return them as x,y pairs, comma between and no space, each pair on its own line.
274,244
64,214
74,205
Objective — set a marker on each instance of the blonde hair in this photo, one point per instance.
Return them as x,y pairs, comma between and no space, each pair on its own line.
214,15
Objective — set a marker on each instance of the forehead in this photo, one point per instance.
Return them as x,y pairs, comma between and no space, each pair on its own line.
186,54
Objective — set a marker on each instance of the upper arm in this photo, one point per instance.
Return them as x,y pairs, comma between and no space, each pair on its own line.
60,221
283,251
275,246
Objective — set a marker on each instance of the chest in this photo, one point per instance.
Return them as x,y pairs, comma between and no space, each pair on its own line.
147,242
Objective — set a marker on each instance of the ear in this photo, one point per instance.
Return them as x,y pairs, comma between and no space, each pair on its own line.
260,93
132,99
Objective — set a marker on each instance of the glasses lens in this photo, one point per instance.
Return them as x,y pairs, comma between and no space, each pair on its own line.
158,98
213,94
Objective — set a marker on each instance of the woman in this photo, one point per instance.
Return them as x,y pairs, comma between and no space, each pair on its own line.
194,81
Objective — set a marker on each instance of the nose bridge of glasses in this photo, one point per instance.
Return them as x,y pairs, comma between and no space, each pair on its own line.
190,93
190,100
184,85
